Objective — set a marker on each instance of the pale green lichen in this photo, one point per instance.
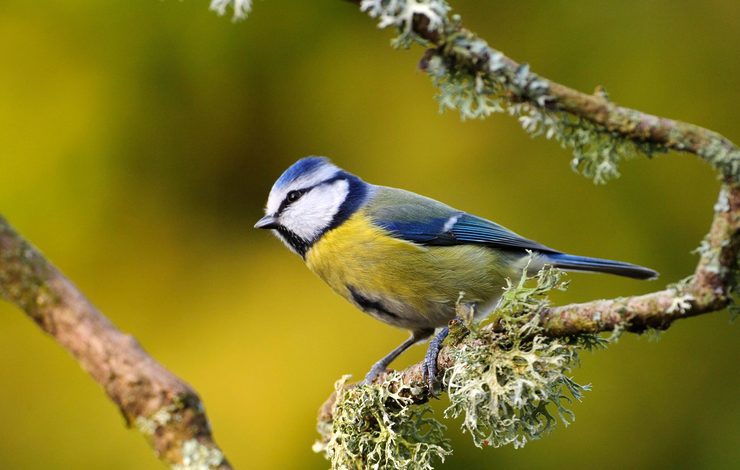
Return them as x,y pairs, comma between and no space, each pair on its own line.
504,385
147,425
495,88
241,8
400,14
508,386
712,261
731,272
195,455
472,94
477,81
198,456
680,304
723,156
377,426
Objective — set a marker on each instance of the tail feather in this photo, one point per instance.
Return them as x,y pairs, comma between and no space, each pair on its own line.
583,263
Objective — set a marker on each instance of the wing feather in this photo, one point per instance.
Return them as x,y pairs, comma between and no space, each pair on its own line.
425,221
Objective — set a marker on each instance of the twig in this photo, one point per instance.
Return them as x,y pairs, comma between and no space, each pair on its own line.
164,408
708,290
460,49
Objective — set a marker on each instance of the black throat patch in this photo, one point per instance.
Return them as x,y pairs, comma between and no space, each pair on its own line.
300,245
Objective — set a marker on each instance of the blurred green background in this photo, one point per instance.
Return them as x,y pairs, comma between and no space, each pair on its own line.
139,141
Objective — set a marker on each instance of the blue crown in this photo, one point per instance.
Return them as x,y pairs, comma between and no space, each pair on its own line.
300,168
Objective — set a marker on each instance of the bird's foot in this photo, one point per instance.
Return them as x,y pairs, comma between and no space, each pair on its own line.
429,368
377,369
381,366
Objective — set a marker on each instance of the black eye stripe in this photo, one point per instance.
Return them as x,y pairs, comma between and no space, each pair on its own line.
292,197
300,192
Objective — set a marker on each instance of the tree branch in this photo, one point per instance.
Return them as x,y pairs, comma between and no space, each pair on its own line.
491,72
714,281
708,290
164,408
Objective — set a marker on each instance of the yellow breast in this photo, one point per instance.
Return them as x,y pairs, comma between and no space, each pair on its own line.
419,285
359,253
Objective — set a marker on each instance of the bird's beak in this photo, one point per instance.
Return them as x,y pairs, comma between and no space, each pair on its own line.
267,222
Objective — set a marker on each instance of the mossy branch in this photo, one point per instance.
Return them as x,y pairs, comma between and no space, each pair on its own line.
479,80
164,408
712,287
503,376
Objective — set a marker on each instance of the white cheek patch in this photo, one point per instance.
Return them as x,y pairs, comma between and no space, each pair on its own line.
322,173
309,216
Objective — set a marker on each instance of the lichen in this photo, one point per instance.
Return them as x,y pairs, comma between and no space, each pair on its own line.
477,80
378,426
508,386
491,86
198,456
25,275
504,385
401,13
195,455
723,156
147,425
680,304
241,8
471,93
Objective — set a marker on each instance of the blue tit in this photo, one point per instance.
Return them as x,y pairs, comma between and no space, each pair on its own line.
404,259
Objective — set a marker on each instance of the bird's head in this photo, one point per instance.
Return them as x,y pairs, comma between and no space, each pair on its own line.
310,198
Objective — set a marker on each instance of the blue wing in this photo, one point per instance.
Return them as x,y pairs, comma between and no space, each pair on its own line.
471,229
425,221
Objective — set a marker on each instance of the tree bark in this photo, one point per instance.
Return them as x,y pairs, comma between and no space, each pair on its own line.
163,407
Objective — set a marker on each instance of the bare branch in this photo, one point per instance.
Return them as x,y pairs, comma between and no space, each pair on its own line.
164,408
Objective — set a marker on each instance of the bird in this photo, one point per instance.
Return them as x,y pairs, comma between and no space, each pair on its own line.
405,259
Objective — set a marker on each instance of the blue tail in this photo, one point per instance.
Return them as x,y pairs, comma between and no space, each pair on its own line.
583,263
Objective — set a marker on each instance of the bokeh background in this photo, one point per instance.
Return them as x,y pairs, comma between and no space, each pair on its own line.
139,140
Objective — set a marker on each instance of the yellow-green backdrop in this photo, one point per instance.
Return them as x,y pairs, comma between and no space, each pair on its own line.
138,141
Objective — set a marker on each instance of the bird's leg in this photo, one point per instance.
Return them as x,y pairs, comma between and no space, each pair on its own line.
429,369
383,364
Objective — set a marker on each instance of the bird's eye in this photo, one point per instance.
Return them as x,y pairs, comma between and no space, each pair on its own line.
293,196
